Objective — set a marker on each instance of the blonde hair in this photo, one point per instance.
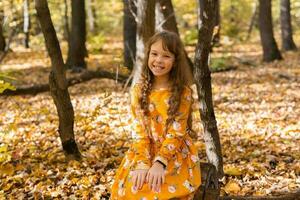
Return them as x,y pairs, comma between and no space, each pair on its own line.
180,74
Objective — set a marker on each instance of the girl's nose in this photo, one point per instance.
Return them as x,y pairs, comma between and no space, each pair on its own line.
158,59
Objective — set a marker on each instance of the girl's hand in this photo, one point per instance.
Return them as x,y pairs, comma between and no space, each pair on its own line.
138,178
156,176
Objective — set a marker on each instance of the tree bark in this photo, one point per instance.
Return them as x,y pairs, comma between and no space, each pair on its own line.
270,49
91,15
217,36
209,188
253,20
2,39
58,83
165,16
26,25
145,29
77,49
66,28
288,43
129,33
202,77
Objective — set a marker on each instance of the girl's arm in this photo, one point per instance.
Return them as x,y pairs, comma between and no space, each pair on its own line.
141,141
176,130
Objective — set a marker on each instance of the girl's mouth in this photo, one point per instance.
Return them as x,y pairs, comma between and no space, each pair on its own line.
157,67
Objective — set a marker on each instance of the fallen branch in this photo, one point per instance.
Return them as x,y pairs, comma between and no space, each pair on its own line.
85,76
289,196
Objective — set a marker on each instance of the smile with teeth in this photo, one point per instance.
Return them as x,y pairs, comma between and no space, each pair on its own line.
157,67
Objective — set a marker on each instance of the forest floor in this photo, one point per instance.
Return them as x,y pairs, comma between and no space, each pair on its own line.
257,108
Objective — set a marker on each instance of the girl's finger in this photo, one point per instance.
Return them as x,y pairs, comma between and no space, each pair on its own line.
142,181
147,177
154,182
134,180
150,181
163,179
158,184
139,181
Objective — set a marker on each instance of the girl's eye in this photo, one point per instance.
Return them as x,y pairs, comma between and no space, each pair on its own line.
166,56
153,54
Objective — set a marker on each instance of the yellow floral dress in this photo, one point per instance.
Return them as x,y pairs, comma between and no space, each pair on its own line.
150,143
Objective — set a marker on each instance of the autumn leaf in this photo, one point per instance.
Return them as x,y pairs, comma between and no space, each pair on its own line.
232,187
233,171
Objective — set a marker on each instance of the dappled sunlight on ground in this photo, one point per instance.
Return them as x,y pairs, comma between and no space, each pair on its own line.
257,107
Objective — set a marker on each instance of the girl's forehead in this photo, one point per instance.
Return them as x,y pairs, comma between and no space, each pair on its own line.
159,46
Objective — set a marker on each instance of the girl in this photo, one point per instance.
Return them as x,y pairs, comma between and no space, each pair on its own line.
162,162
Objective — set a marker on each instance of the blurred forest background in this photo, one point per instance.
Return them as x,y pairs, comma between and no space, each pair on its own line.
255,90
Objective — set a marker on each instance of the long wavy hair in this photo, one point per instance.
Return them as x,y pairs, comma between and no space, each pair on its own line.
180,74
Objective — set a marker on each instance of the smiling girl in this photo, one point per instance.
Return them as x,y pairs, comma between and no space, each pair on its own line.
162,162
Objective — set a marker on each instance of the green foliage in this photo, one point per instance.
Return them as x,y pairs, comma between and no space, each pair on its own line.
218,64
190,37
235,17
4,85
109,17
96,42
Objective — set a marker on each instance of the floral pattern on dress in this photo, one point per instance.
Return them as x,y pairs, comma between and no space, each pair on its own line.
172,146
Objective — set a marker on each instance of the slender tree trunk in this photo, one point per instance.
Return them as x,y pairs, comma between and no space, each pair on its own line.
66,32
203,81
253,19
91,15
217,36
26,26
165,16
145,29
2,39
270,49
129,33
58,83
77,49
286,26
159,18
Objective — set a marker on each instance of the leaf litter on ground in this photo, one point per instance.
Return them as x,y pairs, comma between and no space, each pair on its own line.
257,110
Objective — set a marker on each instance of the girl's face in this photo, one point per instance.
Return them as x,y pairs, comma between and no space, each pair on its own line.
160,61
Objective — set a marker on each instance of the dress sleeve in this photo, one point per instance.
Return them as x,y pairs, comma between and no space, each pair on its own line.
176,130
141,140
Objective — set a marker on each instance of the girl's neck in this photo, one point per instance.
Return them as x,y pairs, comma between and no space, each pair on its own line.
161,82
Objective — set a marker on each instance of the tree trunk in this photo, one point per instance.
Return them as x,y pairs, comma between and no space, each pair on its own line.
145,29
209,188
91,15
288,43
26,26
66,28
203,81
58,83
253,20
270,49
216,36
129,33
2,39
77,49
165,16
